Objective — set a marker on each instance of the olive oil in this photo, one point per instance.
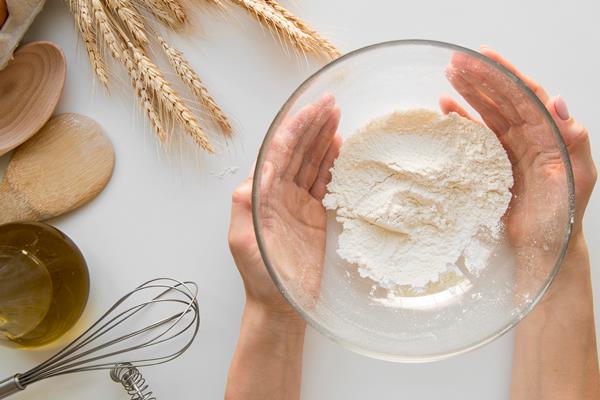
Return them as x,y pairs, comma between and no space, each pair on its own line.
44,284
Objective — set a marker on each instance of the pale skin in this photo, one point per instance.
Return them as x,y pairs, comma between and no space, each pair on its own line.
555,354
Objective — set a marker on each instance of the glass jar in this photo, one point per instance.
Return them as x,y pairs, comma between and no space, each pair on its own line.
44,284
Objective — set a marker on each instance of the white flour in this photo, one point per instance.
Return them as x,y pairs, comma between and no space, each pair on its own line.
418,192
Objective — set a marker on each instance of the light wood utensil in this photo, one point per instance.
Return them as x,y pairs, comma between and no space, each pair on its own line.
30,87
63,167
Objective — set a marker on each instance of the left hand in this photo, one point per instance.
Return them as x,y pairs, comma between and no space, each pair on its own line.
295,175
539,193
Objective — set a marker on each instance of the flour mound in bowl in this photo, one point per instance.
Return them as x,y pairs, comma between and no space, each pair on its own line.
415,192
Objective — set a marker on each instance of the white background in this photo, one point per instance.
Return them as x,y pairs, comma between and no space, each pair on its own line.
160,216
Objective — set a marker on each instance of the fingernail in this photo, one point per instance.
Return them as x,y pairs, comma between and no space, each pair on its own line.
561,108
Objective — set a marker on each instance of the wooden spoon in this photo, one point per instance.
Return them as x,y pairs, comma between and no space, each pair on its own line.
30,87
63,167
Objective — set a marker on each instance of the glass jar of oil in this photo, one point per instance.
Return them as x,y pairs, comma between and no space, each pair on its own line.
44,284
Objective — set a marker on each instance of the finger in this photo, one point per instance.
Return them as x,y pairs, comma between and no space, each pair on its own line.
324,108
313,158
533,85
494,84
287,136
573,133
481,103
448,105
319,188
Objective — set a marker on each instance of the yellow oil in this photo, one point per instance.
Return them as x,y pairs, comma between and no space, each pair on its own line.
44,284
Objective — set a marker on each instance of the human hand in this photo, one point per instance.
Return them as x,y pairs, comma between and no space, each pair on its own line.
295,175
549,361
536,162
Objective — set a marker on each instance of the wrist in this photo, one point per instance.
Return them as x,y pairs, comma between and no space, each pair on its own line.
274,321
572,285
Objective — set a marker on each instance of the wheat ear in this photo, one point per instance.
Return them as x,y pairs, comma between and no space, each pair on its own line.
168,98
83,20
106,27
105,31
176,10
158,9
131,18
328,48
194,83
146,102
274,20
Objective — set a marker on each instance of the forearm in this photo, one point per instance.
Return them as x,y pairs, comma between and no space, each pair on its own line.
267,363
555,347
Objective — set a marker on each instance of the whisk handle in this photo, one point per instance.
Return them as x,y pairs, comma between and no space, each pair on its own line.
10,386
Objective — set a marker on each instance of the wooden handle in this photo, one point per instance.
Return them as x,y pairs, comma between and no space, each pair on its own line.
14,207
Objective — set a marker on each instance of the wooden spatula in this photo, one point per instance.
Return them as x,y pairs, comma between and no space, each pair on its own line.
64,166
30,87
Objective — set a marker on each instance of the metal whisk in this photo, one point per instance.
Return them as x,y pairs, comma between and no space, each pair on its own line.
163,332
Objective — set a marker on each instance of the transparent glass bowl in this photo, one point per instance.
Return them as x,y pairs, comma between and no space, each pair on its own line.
458,314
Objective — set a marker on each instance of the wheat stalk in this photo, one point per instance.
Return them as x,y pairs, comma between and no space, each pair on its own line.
119,27
274,20
168,98
84,23
328,48
131,18
194,83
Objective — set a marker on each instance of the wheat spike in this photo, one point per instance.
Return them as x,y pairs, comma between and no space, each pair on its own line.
116,49
83,20
176,9
131,18
145,100
166,96
328,48
158,9
194,83
105,30
274,20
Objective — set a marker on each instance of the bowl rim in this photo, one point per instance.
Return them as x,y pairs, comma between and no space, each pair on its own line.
433,356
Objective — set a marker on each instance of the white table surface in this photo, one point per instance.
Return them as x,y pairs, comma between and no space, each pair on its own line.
160,216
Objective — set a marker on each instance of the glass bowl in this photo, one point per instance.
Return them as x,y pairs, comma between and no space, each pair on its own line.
459,312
